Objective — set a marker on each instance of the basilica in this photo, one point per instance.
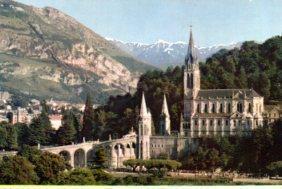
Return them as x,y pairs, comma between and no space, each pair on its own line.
206,113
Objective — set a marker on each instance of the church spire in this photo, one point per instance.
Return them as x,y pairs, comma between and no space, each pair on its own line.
191,57
165,119
143,108
165,107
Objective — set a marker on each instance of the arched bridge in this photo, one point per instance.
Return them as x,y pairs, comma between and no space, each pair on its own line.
82,154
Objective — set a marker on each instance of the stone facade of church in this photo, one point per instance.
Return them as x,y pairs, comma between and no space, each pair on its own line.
206,113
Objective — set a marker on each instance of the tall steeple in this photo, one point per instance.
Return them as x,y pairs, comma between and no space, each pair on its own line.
165,108
165,119
144,130
191,57
191,85
143,108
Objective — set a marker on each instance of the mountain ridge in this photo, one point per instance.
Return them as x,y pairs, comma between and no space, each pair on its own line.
76,59
163,53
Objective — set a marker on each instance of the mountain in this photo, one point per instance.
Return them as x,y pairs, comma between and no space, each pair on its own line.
46,53
163,54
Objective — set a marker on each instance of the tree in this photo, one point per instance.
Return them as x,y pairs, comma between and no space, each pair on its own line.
275,168
67,133
88,120
17,170
242,79
11,137
47,165
213,159
40,130
100,157
264,85
3,137
80,176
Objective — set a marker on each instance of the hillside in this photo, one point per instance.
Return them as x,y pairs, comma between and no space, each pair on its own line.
46,53
163,54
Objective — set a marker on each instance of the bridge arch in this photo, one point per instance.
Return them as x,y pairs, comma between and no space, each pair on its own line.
79,158
65,154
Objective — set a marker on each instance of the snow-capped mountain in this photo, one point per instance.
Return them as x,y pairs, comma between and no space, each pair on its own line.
162,53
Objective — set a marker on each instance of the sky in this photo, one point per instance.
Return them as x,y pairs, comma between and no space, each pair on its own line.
146,21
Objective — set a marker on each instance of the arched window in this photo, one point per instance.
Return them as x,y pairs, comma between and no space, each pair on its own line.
239,107
210,122
219,122
221,108
213,108
250,108
229,108
198,108
206,108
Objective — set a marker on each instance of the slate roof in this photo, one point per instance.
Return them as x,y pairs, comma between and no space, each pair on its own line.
226,93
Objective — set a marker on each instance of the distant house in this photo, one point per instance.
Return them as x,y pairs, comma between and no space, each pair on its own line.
56,121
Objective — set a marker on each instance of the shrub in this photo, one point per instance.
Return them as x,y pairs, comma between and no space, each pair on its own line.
17,170
80,176
275,168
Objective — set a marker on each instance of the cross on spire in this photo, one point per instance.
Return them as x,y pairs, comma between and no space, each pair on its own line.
191,56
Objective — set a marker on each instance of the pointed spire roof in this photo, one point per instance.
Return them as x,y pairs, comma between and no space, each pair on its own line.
165,107
143,108
191,57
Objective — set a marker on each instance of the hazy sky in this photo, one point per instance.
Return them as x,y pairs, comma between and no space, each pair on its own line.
214,21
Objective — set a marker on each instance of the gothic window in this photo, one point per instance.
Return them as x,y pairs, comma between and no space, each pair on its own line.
204,122
218,122
229,108
221,108
206,108
210,122
226,122
239,107
196,122
250,108
213,108
198,108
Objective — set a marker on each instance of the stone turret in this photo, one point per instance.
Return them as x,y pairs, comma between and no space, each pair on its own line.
165,119
144,130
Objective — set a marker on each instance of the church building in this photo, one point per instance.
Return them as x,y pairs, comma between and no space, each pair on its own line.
206,113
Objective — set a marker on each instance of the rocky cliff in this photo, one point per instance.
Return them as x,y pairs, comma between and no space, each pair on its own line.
46,53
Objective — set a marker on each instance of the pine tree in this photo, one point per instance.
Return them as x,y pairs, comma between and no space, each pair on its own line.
88,119
67,133
40,129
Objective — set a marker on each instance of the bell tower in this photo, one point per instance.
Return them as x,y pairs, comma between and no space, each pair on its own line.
191,82
144,130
